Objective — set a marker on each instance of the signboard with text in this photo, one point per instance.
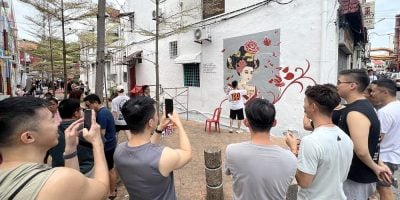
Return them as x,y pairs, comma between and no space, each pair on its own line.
369,14
212,8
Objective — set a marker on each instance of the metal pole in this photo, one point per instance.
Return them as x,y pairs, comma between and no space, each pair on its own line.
157,67
100,48
64,50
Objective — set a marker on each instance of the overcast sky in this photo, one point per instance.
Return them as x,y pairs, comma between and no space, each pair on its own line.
385,11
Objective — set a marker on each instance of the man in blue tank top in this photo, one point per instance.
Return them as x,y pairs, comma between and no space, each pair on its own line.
145,166
360,121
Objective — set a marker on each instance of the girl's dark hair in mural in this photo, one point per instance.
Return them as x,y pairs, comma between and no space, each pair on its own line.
241,59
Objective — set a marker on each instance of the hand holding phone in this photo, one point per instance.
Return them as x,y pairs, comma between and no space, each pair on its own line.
169,107
87,115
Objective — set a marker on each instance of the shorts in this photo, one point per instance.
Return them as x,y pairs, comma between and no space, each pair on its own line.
110,158
236,114
393,168
121,128
357,191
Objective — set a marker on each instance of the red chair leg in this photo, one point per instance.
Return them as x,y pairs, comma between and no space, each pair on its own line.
209,127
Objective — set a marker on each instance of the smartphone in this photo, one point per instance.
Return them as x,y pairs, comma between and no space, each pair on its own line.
87,118
169,107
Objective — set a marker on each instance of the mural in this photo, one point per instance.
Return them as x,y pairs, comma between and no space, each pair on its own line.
253,60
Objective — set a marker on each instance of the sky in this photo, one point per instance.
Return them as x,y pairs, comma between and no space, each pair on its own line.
380,36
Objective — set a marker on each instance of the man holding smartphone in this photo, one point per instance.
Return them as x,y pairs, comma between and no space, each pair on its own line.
106,121
149,174
27,130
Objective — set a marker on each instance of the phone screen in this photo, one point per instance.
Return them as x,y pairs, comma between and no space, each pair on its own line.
169,107
87,122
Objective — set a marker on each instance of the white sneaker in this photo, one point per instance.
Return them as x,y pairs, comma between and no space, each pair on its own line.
230,131
239,131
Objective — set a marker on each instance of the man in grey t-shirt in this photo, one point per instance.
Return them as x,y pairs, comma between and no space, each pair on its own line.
260,168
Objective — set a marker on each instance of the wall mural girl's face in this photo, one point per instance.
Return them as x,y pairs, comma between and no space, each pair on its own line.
247,74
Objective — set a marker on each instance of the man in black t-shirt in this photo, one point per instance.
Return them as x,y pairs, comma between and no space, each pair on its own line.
360,121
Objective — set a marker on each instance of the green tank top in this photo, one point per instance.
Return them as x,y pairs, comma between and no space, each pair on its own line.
25,181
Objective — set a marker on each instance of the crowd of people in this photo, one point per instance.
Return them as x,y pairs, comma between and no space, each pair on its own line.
351,153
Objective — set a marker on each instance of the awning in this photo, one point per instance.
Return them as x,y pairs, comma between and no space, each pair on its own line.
188,58
130,57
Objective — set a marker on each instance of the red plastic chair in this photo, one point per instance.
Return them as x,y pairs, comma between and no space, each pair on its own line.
215,119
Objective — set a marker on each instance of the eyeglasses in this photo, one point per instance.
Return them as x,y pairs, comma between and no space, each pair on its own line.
340,82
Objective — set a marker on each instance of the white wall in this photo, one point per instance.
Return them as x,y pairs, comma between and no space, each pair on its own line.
308,31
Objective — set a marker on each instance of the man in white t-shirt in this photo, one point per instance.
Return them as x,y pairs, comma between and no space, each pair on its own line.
372,76
236,98
116,105
383,91
325,156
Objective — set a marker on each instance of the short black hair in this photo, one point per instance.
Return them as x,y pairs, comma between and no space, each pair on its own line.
92,98
260,114
388,84
53,99
325,97
68,107
234,84
18,114
137,112
360,76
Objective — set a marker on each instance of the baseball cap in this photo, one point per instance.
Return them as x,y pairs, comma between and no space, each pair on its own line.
119,88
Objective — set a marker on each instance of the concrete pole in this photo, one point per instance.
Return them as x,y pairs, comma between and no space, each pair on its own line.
100,48
64,50
157,67
51,59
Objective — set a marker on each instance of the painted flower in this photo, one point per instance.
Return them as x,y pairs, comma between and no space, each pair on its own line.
267,41
289,76
277,81
251,46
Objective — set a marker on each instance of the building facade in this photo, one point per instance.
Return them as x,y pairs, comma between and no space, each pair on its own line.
8,49
274,50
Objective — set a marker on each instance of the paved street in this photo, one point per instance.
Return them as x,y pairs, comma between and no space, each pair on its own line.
190,181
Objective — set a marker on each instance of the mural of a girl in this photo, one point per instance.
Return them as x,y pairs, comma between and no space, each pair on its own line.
245,63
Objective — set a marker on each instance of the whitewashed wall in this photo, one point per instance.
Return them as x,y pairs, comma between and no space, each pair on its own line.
308,31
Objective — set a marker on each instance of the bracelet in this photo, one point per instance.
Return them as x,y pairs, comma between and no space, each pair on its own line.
157,131
69,156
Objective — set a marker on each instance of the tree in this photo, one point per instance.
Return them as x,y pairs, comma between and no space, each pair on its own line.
65,12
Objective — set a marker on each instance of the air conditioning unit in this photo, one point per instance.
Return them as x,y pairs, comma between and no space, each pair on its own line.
202,34
153,14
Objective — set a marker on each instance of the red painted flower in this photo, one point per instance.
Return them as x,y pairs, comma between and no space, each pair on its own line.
289,76
251,46
267,41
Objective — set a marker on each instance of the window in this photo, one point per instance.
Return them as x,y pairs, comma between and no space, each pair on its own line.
173,49
125,77
132,22
191,74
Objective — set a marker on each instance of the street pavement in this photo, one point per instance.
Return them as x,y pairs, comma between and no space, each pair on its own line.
190,181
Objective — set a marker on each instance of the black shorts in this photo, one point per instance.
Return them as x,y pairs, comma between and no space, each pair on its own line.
110,158
121,128
236,113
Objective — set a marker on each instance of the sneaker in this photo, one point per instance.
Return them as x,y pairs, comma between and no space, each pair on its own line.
239,131
230,131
